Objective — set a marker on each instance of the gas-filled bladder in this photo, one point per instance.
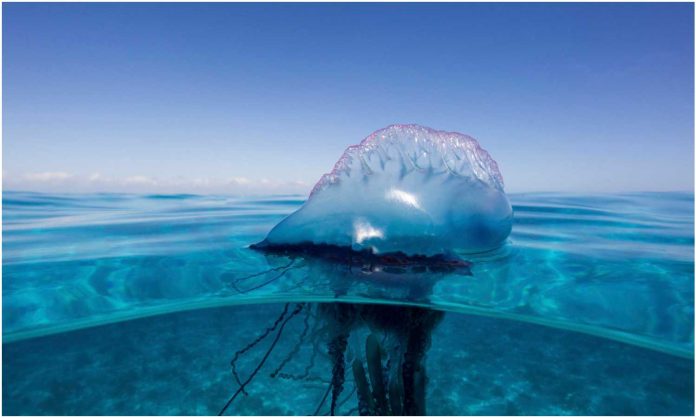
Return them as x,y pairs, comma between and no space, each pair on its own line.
405,189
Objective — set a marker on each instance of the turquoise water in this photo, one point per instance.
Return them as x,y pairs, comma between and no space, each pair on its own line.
133,304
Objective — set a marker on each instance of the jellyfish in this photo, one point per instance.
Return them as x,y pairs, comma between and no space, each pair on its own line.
398,211
404,189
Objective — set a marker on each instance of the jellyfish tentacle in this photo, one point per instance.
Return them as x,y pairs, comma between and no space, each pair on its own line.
421,324
347,398
342,317
297,310
312,359
317,379
261,273
337,349
296,348
323,399
342,402
278,276
251,345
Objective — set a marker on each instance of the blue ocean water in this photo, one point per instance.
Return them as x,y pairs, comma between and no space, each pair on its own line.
135,304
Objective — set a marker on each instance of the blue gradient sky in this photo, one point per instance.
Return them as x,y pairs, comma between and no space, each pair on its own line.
264,98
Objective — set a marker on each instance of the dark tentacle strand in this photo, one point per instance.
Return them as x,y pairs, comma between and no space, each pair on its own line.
341,403
323,399
251,345
347,398
261,273
421,324
316,350
297,347
337,350
342,316
296,311
267,282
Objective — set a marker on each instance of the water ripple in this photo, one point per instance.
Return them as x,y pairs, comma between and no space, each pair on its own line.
618,266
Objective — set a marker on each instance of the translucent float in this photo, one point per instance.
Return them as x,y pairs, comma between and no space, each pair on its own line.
407,189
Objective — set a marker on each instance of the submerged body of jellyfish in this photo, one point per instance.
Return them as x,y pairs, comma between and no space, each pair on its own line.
399,207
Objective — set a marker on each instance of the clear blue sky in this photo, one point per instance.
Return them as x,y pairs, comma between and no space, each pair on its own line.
265,97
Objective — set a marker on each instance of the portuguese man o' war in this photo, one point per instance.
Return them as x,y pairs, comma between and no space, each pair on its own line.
397,206
404,189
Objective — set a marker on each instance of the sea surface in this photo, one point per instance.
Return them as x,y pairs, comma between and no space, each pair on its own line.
136,304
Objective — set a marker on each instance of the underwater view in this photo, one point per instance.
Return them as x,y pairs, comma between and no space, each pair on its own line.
137,304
